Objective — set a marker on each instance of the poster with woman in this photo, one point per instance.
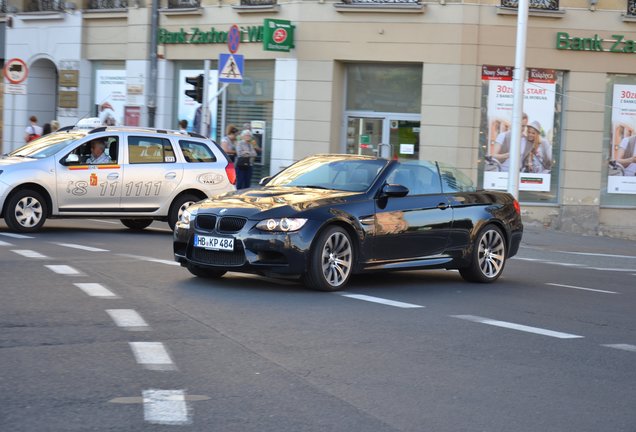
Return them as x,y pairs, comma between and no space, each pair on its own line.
622,164
110,95
536,161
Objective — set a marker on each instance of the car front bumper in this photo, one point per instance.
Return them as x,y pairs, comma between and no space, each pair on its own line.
255,251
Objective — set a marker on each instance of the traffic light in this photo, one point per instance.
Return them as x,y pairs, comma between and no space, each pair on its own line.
197,93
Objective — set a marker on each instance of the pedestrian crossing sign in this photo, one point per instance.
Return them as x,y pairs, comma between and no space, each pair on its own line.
231,68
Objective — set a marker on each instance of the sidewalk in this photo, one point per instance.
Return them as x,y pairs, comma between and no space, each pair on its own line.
557,240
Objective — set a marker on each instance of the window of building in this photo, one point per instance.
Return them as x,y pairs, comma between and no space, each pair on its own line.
618,173
541,142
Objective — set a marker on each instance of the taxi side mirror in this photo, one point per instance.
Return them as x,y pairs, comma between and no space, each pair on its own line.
70,159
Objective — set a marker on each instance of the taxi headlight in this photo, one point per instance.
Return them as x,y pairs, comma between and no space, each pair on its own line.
187,215
281,225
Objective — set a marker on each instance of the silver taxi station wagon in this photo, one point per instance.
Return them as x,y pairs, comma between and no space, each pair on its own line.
136,175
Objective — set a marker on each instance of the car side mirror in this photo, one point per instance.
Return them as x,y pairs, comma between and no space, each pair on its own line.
264,180
395,190
70,159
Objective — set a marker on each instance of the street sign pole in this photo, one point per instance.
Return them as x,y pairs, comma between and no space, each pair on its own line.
205,109
517,103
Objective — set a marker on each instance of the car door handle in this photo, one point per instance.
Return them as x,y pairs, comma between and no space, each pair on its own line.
171,176
113,176
442,206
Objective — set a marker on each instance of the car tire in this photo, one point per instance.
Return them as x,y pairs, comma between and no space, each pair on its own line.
488,256
178,205
136,224
331,260
26,211
205,272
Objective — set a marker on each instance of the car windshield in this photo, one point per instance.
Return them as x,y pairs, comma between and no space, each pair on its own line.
323,172
46,146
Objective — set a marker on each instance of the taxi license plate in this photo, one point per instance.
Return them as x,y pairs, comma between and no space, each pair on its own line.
216,243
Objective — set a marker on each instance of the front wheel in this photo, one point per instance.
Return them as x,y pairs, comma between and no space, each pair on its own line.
488,257
331,261
136,224
26,211
180,203
205,272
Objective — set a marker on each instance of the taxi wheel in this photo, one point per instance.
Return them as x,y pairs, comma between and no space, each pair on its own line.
136,224
489,256
180,203
331,262
26,211
205,272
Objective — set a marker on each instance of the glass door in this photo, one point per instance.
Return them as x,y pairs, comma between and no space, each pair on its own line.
395,136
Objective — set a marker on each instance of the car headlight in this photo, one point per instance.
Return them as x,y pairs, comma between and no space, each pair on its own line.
281,225
186,216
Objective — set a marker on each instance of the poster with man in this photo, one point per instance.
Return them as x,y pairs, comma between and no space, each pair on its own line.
110,96
536,153
622,164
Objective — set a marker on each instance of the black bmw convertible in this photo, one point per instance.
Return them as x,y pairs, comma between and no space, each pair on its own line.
328,217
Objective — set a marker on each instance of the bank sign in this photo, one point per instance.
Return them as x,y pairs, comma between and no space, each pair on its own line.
618,43
275,35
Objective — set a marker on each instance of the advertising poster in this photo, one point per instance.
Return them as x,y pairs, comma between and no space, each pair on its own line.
187,107
622,165
538,131
110,96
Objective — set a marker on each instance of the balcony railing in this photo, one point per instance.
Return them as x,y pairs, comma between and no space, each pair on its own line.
3,6
548,5
375,2
108,4
183,4
45,6
631,8
259,2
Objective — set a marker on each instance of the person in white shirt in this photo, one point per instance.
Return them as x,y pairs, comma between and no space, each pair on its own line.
97,153
32,131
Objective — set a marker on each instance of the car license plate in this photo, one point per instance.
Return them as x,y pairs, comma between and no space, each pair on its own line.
216,243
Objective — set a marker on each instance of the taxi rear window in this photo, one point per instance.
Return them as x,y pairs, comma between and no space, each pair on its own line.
196,151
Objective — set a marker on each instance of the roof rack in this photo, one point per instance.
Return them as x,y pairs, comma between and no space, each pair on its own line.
196,135
66,128
99,129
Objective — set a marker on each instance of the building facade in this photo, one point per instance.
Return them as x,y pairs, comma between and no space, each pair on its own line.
419,80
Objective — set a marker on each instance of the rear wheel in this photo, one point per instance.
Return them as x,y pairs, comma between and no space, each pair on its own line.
136,224
489,256
26,211
180,203
205,272
331,261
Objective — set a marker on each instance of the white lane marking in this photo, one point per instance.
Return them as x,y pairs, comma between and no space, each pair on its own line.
381,301
4,243
128,319
581,288
95,290
105,221
150,259
82,247
624,347
581,253
528,259
166,407
612,269
29,253
152,355
519,327
63,269
20,236
565,264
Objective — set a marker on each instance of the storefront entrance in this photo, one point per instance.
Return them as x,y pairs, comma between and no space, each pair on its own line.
390,135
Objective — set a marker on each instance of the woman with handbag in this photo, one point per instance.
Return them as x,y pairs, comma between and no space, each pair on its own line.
245,154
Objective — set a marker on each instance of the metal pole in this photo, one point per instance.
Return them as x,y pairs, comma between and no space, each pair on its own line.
205,108
517,105
152,84
12,144
223,109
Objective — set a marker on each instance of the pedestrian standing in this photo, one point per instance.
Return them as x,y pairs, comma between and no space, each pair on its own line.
33,131
245,154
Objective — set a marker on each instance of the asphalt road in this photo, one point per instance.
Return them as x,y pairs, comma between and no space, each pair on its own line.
101,331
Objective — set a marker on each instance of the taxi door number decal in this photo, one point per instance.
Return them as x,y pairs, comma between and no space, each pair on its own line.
143,188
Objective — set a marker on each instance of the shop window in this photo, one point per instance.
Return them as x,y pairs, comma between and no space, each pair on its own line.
386,87
541,142
618,173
